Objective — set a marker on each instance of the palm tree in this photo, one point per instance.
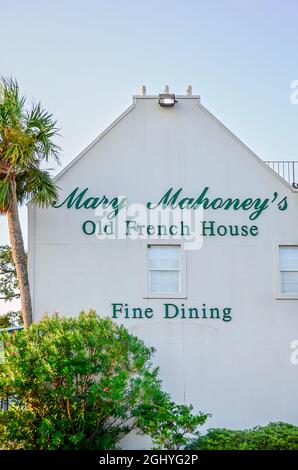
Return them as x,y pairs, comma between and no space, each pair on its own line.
26,141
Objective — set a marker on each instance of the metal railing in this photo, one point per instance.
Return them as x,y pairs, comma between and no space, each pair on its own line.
288,170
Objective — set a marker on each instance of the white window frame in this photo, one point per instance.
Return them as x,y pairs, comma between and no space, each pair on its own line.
182,278
279,294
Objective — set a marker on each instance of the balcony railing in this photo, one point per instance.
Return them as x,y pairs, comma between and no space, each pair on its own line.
288,170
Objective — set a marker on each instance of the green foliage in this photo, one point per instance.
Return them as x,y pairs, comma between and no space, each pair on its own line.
83,383
9,286
11,319
274,436
171,426
27,138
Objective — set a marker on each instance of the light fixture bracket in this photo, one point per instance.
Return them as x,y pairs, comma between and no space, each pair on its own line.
167,100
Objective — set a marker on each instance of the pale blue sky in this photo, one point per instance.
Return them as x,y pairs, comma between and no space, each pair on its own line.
84,60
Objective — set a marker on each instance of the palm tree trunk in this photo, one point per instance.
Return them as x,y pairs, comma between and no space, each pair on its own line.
19,256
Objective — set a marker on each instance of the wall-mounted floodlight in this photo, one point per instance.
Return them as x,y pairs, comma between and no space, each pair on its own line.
167,100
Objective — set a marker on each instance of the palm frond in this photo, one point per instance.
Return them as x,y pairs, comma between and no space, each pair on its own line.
21,189
43,126
27,137
12,108
40,187
4,195
19,149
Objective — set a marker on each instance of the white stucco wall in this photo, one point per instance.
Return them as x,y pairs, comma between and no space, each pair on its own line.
239,371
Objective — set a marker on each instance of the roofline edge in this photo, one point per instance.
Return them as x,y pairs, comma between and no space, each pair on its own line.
94,142
251,152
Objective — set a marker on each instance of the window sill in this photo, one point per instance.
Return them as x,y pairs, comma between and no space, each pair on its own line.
286,297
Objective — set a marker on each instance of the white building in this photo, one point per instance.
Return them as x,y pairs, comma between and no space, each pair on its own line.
230,354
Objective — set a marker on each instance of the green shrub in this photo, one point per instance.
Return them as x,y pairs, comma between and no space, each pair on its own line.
173,426
82,383
275,436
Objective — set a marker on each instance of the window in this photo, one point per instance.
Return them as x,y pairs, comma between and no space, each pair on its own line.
288,266
164,269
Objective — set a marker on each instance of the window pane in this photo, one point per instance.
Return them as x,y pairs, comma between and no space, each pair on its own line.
289,282
164,281
164,257
288,258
